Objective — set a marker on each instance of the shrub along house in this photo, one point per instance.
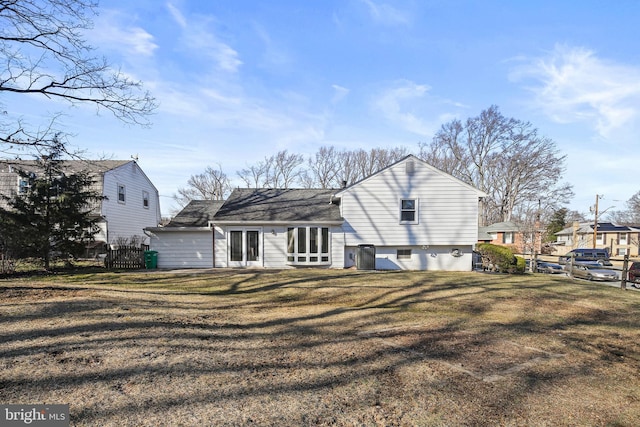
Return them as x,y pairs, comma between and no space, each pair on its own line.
409,215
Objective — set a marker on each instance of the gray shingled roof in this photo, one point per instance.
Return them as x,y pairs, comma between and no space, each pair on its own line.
92,166
507,226
279,205
9,172
197,213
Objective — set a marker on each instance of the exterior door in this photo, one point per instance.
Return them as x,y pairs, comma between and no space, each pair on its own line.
244,248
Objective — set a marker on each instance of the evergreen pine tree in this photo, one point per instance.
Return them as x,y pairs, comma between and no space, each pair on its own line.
53,216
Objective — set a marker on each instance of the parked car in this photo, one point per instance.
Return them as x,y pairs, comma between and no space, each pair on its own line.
634,272
549,267
600,256
591,272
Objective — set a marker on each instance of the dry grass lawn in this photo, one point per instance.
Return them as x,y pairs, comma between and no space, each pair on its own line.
322,347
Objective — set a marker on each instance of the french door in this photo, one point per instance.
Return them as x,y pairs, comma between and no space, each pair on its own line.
244,248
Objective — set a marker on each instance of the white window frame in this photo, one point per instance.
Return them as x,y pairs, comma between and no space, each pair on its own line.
622,251
246,259
415,210
406,254
124,193
301,254
508,237
599,238
145,199
623,239
23,185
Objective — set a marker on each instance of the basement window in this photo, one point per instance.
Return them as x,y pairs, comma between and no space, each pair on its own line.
403,253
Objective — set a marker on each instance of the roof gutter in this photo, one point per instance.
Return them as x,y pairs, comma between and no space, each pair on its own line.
174,229
269,223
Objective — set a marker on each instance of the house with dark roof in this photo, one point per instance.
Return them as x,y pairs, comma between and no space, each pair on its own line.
508,233
130,202
618,240
409,215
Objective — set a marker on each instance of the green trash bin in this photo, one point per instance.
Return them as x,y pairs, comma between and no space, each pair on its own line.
150,259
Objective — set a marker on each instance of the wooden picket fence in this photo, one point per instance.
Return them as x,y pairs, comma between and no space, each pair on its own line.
126,257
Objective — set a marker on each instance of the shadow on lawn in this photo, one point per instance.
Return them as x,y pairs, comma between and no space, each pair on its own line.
342,346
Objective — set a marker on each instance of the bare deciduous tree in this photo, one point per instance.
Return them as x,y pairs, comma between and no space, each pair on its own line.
324,167
212,184
630,215
44,53
505,158
254,176
284,171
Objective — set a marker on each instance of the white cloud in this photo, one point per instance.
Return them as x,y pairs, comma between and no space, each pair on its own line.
274,57
177,15
386,14
129,40
402,105
199,39
572,84
339,93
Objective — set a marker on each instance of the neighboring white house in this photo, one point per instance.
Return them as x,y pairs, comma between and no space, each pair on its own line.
130,203
409,215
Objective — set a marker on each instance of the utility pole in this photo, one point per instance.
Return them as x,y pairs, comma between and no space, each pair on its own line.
595,223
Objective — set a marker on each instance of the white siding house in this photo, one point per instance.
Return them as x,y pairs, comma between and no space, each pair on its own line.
130,203
416,216
409,215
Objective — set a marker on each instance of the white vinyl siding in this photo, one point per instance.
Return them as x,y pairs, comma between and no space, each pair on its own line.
448,211
422,258
124,220
183,249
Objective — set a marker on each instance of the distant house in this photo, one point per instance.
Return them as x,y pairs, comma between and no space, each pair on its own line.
409,215
619,240
130,204
503,233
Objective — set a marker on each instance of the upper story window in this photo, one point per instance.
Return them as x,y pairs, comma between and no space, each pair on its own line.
600,238
145,199
23,185
122,196
408,211
623,239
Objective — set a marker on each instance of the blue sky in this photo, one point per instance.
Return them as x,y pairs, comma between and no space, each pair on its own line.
240,80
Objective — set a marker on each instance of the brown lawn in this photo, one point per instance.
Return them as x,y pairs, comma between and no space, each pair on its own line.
322,347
